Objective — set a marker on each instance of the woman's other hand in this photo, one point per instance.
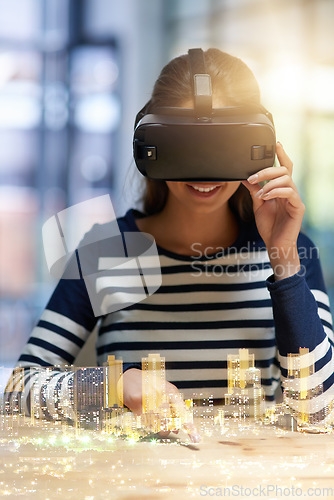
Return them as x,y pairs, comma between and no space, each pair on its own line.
133,399
279,212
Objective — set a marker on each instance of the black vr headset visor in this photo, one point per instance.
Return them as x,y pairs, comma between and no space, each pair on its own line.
204,144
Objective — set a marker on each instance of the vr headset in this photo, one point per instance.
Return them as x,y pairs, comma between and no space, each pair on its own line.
202,143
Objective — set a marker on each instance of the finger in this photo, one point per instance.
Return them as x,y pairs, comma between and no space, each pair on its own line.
254,190
164,434
283,158
284,193
192,432
267,174
180,410
178,406
280,182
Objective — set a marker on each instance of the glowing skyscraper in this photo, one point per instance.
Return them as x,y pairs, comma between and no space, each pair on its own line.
153,383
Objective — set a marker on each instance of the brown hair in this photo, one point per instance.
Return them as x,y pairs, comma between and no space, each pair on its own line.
232,80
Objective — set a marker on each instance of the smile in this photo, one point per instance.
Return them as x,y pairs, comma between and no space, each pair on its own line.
204,189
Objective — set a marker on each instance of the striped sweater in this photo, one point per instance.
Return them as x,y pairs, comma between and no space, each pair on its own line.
208,306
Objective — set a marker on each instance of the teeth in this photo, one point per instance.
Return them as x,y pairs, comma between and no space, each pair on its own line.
203,189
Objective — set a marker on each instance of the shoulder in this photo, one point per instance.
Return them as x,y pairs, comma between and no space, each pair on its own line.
306,248
128,221
114,228
310,262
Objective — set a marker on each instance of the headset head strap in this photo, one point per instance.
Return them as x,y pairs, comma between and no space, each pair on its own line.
201,83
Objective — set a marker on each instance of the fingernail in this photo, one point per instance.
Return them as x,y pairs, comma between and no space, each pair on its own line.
253,178
258,194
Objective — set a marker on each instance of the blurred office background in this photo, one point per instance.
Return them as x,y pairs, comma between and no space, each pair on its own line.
73,74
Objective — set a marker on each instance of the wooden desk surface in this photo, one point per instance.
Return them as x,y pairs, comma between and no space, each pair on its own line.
46,461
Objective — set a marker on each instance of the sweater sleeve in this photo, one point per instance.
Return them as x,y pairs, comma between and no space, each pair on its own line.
61,332
63,327
303,320
56,340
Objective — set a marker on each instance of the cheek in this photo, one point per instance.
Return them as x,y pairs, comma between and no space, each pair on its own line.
171,185
176,188
232,187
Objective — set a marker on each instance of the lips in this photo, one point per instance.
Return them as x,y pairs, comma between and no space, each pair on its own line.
204,191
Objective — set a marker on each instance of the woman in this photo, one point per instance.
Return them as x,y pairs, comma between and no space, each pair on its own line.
232,276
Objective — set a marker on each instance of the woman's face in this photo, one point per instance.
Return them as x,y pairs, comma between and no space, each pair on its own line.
203,197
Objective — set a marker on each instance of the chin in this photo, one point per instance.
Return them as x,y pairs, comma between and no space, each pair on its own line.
210,210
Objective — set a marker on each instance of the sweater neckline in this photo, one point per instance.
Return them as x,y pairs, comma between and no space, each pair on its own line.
241,240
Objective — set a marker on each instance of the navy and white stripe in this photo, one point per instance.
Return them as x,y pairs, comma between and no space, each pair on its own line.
205,309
